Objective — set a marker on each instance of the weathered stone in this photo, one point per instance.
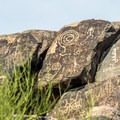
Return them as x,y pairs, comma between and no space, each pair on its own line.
100,118
110,66
16,49
31,117
77,104
72,60
75,52
102,111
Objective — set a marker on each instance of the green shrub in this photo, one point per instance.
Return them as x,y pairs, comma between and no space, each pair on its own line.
19,97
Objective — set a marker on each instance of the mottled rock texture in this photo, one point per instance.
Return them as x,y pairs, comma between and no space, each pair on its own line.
80,53
74,54
105,113
17,49
99,100
111,64
77,104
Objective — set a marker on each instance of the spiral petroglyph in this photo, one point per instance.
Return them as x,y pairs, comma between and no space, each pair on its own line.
72,52
69,37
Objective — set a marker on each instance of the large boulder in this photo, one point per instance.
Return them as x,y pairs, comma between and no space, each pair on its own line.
73,57
110,65
105,113
80,104
17,49
99,100
78,54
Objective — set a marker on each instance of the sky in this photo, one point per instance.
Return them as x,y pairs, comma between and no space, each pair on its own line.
21,15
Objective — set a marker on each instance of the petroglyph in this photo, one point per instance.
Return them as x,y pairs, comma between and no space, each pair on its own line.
76,103
90,32
111,63
73,50
68,38
114,55
56,66
16,49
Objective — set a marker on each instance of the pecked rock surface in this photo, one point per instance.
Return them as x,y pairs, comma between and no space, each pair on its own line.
77,104
111,64
99,100
74,54
17,49
79,53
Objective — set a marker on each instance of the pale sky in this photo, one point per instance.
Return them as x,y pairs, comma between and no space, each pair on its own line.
21,15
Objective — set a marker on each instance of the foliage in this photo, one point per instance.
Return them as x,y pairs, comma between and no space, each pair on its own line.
18,96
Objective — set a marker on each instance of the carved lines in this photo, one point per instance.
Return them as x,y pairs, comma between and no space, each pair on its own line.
56,66
68,38
114,53
90,32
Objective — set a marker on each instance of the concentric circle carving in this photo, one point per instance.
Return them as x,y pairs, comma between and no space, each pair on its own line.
69,37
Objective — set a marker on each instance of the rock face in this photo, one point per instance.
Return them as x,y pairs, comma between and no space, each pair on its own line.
80,53
100,100
16,49
111,63
77,104
105,113
74,54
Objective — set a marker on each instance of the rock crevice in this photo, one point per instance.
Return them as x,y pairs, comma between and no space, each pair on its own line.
81,58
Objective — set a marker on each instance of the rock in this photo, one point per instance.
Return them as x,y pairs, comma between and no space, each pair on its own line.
100,118
77,104
73,57
104,113
16,49
99,100
110,64
31,117
80,53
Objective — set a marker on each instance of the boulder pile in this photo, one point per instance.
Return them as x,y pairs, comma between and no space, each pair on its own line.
81,58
